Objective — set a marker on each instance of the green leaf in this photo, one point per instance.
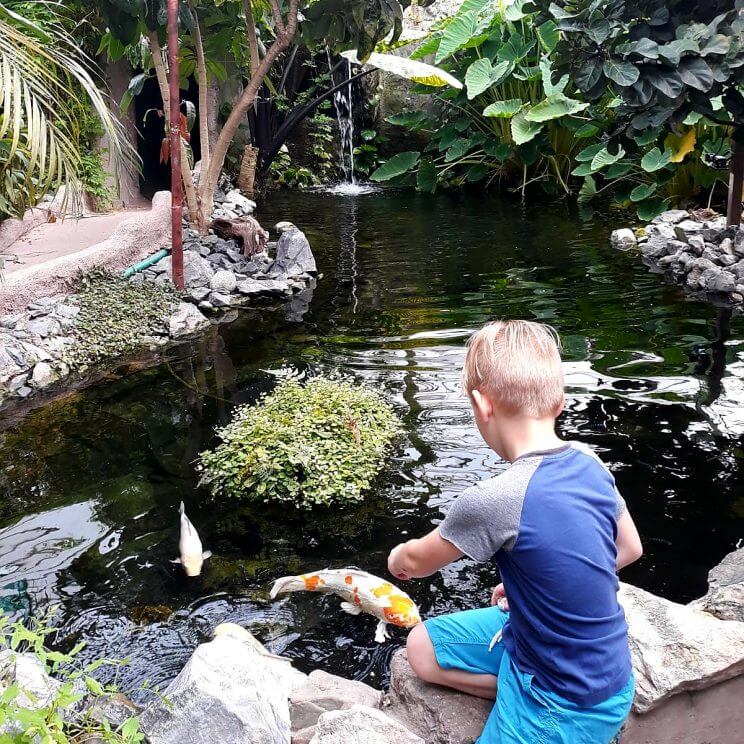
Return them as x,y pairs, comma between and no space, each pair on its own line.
655,159
717,44
515,49
583,169
414,120
427,48
478,77
642,191
477,173
605,158
622,73
458,149
426,178
587,130
500,72
588,189
396,166
618,170
524,130
553,107
548,35
456,34
94,686
647,137
696,73
589,152
503,109
651,208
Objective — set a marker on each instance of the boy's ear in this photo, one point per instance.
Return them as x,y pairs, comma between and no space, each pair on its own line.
482,404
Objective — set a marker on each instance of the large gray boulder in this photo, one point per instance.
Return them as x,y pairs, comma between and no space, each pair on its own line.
725,597
361,725
323,692
677,648
197,271
231,690
187,322
223,281
293,253
37,688
623,239
438,715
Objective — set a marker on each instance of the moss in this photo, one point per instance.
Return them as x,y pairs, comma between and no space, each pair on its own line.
315,444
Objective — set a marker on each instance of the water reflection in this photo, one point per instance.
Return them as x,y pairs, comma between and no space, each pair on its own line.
90,487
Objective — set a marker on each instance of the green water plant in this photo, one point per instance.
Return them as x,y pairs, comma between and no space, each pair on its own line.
63,714
312,444
114,315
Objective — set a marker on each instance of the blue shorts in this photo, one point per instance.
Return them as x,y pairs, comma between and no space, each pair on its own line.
523,713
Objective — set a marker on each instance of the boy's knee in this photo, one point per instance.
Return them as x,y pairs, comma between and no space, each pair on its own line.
421,654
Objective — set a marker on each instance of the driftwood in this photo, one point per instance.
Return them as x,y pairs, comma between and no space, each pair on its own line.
246,230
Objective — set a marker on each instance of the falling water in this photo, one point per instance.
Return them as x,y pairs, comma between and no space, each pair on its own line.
342,102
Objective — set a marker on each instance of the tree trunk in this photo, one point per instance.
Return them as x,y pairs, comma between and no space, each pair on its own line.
201,79
736,181
252,38
162,77
285,34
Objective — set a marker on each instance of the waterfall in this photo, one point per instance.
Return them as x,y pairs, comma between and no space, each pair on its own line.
342,102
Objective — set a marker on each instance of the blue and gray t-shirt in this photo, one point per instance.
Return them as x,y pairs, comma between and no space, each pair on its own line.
550,522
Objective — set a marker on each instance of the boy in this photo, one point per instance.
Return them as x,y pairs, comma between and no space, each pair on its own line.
558,530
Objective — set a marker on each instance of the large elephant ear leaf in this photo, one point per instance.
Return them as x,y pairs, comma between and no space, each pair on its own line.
458,32
426,178
650,208
655,159
478,77
417,72
523,130
396,166
553,107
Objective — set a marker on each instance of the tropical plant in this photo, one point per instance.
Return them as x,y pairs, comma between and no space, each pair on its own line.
675,70
269,32
46,82
514,120
26,716
309,445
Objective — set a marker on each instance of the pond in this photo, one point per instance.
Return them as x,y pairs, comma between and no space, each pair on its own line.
91,484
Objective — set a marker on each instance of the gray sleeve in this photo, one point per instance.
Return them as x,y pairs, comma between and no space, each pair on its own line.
485,518
621,507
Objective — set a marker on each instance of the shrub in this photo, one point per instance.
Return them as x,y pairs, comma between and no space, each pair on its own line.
314,444
62,718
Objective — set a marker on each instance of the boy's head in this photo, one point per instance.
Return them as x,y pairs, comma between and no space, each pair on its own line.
516,365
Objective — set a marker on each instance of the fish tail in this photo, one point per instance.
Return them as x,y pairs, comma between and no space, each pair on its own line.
287,584
182,509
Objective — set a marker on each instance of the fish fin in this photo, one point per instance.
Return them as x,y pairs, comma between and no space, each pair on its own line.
352,609
176,560
381,634
206,554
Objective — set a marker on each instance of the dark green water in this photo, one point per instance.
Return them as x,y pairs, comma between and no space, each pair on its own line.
90,487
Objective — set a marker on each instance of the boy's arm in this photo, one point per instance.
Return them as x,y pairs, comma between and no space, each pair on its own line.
628,542
422,557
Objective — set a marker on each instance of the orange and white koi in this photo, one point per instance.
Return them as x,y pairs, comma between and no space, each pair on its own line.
361,592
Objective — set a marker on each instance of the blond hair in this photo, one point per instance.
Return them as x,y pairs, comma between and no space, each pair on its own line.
517,364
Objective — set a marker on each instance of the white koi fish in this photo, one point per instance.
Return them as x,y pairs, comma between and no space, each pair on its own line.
361,592
190,546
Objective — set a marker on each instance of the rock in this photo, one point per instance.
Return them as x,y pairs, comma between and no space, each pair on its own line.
723,282
10,321
623,239
655,247
24,392
219,261
293,253
42,304
258,287
322,692
661,230
197,271
727,246
197,294
361,725
17,382
228,691
676,648
38,689
437,714
223,281
672,216
67,311
187,321
43,375
725,597
43,327
686,228
116,709
697,243
218,299
238,203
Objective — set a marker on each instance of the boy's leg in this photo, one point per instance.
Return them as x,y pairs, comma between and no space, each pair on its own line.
454,650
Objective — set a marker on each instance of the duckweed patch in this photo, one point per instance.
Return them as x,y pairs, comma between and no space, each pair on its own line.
315,444
114,316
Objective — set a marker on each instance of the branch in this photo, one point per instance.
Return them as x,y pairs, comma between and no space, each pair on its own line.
201,75
277,14
250,22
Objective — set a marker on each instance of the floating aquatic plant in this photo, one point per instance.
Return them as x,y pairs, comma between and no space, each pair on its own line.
315,444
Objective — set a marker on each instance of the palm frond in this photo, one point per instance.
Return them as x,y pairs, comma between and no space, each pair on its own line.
45,80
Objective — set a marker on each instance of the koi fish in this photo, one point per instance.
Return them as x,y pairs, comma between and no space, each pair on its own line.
190,546
361,592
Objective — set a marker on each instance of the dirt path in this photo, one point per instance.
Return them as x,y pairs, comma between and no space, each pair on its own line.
62,238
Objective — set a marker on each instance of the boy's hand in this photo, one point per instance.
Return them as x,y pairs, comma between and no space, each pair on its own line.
498,598
394,563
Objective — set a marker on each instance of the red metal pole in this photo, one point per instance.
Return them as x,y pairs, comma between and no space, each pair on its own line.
175,148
